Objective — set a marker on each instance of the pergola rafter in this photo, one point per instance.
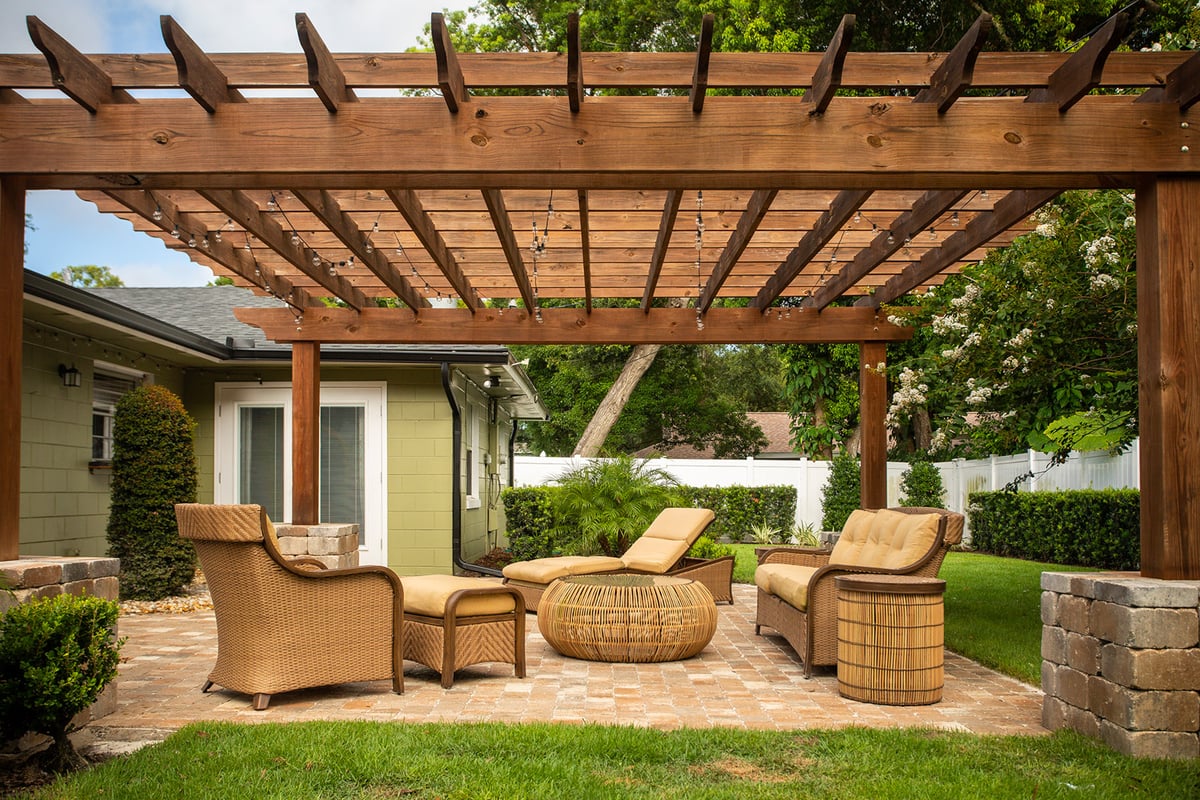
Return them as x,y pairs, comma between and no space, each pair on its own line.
422,198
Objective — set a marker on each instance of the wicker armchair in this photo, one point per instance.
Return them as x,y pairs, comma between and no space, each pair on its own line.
796,593
284,625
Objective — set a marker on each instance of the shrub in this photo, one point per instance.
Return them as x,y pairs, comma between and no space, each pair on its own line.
706,548
529,522
739,509
56,655
842,494
606,504
153,468
1092,528
921,485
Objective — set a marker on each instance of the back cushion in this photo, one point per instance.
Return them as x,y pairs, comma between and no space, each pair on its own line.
896,540
854,537
680,524
653,555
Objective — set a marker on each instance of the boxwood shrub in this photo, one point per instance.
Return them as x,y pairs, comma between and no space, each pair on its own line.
531,523
1091,528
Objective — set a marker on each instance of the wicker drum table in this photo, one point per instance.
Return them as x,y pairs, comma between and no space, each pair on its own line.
890,639
627,618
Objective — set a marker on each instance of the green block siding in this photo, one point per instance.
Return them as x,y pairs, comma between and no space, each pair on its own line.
64,507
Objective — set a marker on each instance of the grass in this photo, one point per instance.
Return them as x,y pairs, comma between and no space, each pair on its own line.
492,760
993,608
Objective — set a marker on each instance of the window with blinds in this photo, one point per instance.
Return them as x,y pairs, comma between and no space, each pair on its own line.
107,389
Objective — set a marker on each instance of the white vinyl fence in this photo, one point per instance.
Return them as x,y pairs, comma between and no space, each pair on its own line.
1093,470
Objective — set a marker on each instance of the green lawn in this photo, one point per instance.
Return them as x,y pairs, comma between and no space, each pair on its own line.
391,760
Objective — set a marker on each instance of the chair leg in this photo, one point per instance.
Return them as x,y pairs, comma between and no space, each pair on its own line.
260,701
519,645
207,685
758,630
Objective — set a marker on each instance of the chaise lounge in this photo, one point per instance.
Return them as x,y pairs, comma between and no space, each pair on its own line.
796,592
659,551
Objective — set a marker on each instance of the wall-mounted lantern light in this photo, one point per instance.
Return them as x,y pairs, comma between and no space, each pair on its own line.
70,376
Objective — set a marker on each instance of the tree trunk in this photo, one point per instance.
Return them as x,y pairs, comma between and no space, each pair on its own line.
922,430
614,402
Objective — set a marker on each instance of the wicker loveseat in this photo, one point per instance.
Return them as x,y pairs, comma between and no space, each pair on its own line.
796,593
284,625
658,551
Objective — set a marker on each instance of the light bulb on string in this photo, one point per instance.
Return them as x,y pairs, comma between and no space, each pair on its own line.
857,217
175,231
891,238
157,215
191,240
954,221
217,235
316,260
271,204
295,239
204,242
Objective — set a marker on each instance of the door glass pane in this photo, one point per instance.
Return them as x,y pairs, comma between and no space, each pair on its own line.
260,458
343,449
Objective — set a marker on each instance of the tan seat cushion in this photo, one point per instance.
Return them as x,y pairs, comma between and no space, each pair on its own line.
427,595
853,538
788,582
680,524
544,570
649,554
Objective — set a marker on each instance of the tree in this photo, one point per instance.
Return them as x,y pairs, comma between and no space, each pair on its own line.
153,468
607,504
88,276
1041,332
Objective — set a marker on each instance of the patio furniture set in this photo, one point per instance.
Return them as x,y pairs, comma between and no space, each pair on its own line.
872,606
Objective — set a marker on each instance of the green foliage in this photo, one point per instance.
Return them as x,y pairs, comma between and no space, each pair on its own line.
763,533
56,655
1093,528
739,509
535,530
921,485
804,534
842,493
88,275
610,502
706,548
153,468
221,280
821,382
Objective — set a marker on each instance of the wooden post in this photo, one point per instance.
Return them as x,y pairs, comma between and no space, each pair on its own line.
872,411
306,432
1168,267
12,283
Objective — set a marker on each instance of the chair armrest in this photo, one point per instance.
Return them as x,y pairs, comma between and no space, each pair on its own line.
304,562
802,556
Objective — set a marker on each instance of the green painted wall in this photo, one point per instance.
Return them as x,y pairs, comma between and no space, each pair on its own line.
64,504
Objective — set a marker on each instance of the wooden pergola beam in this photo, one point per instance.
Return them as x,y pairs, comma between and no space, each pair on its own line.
1082,71
508,242
449,74
73,72
207,85
457,326
953,75
325,76
224,252
241,207
842,208
342,225
873,403
828,77
748,223
12,287
666,227
423,226
926,210
703,56
584,240
1182,86
575,88
1009,210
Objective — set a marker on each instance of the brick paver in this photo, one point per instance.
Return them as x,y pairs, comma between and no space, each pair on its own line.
740,680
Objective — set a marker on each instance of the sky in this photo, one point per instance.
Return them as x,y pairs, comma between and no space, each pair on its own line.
70,231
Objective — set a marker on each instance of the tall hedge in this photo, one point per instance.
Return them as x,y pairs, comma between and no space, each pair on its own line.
842,493
153,468
1091,528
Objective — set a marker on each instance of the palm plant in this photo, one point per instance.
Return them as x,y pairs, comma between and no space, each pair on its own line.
604,505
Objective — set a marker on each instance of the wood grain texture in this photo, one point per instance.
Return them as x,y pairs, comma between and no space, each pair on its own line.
665,229
953,75
828,77
72,72
703,57
207,85
414,213
306,433
576,326
325,76
747,225
1168,366
12,259
872,393
508,242
575,84
1081,72
449,73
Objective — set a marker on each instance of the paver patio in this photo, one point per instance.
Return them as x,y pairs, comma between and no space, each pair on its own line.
740,680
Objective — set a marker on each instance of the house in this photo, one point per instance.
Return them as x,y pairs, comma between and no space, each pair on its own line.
416,440
776,426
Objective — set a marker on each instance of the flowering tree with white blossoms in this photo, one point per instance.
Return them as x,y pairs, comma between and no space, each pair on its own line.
1035,346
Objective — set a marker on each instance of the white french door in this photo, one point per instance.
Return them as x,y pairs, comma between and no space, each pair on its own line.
253,455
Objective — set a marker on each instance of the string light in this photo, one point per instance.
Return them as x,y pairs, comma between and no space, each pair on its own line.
271,204
204,242
857,217
954,219
157,212
191,240
295,239
175,230
932,235
699,253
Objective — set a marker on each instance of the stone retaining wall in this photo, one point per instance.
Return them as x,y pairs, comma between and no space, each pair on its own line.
334,545
1122,661
30,577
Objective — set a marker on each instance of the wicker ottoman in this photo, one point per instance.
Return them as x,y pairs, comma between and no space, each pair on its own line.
451,622
890,639
627,618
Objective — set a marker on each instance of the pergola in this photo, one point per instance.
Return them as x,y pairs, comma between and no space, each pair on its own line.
310,176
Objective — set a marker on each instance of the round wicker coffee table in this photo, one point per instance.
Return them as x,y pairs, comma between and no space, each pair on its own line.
627,618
